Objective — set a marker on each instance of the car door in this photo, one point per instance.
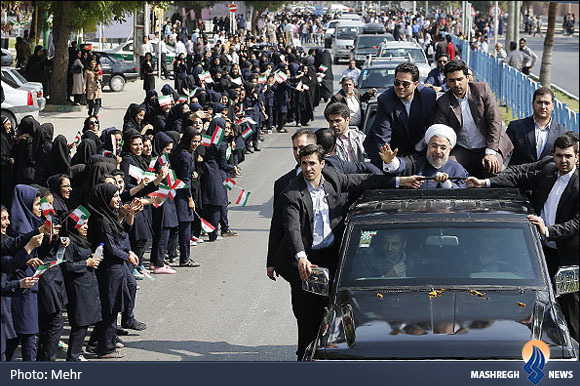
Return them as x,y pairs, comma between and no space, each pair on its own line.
127,52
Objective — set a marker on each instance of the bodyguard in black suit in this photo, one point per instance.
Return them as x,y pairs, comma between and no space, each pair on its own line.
555,197
313,222
396,125
533,137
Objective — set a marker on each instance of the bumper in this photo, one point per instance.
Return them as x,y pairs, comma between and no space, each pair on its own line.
41,103
342,53
131,77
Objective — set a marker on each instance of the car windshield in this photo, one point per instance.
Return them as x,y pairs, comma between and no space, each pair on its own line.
346,32
441,255
15,74
377,77
370,41
417,54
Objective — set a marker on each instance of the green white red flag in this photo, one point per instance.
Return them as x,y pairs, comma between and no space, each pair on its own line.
205,140
78,139
243,198
182,99
322,68
46,207
262,79
80,215
165,100
245,120
229,183
206,226
218,135
280,76
206,77
246,133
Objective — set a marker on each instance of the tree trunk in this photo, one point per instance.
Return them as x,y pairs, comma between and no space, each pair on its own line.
509,35
255,16
61,32
546,68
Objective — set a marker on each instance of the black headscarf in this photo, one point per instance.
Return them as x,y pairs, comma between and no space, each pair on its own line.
106,138
184,143
129,118
160,141
7,139
60,160
28,125
69,230
139,160
86,149
60,204
43,135
104,219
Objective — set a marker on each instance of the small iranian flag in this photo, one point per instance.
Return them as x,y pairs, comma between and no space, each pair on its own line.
107,153
41,269
205,140
182,99
136,173
206,77
78,139
163,160
80,215
243,198
262,79
152,163
192,92
206,226
46,207
218,135
229,183
174,182
162,192
246,133
237,81
245,120
165,100
322,68
114,144
280,76
240,108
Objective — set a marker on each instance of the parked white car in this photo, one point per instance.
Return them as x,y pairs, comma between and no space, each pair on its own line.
18,102
36,87
343,38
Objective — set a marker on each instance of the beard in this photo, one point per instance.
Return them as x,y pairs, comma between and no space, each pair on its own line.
437,162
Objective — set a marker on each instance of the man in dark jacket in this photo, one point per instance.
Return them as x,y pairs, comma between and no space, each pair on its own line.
404,112
533,137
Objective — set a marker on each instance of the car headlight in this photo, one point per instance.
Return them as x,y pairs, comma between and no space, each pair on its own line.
360,57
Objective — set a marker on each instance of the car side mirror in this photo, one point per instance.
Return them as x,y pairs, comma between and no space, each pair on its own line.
566,280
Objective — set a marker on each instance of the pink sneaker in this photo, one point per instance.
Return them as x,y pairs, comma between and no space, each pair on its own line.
164,269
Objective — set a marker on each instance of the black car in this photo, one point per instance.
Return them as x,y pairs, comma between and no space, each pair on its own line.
442,274
115,72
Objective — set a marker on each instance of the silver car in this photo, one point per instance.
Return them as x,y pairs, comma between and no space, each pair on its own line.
35,87
410,50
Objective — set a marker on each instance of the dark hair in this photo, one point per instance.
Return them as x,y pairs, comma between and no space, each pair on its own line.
410,68
346,78
522,40
326,138
104,177
118,172
448,37
513,46
565,141
2,207
304,132
337,108
455,65
543,91
572,134
442,54
311,149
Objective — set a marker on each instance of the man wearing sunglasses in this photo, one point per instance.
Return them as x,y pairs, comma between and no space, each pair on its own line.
404,112
471,110
436,77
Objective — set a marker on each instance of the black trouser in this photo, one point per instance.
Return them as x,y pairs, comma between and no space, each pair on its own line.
129,296
270,121
213,214
173,243
75,342
308,308
471,159
94,106
282,120
164,66
50,327
27,347
138,247
196,227
160,242
184,240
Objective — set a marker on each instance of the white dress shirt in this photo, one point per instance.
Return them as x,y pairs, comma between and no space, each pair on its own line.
469,136
551,205
354,107
541,136
322,236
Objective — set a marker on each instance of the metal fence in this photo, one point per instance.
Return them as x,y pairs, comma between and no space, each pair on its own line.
511,87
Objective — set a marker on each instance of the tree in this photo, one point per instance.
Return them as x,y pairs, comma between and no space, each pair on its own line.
546,68
258,7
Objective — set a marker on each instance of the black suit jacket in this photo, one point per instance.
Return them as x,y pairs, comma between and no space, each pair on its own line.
276,243
393,126
541,180
523,136
298,215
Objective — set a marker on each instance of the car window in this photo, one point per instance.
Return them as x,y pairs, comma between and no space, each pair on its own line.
370,41
10,82
346,32
417,54
441,254
128,47
377,77
370,120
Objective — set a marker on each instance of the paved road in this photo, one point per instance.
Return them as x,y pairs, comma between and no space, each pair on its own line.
226,310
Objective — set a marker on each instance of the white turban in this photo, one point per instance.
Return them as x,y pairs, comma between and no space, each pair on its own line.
441,130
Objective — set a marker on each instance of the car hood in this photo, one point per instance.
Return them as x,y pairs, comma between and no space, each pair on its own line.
366,51
455,324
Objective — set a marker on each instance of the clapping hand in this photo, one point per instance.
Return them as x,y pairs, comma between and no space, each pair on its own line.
386,154
136,206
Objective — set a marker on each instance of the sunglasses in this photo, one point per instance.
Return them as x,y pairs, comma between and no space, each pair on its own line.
442,61
405,84
93,122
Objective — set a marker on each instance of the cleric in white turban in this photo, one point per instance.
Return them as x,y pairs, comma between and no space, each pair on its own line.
433,162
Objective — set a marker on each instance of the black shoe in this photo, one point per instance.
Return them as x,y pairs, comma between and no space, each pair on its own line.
249,150
229,233
257,149
136,325
122,332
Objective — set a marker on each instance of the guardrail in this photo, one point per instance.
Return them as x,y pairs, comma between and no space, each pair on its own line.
511,87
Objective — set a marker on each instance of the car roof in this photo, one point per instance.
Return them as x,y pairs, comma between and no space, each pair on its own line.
381,63
400,44
350,23
441,201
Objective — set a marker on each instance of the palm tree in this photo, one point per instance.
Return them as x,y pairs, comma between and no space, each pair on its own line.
546,69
